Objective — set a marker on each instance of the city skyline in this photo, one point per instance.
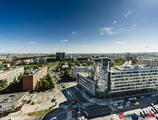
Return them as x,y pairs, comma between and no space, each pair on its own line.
79,26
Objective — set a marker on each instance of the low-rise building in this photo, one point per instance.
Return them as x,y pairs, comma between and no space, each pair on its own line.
30,81
79,69
12,74
6,65
28,61
148,62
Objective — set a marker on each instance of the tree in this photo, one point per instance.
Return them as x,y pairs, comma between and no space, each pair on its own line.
15,86
1,67
119,63
51,82
39,86
3,83
65,77
45,83
48,77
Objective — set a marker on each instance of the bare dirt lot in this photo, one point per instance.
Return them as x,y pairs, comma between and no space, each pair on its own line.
43,102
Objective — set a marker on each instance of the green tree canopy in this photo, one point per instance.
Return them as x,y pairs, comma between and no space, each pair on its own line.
3,83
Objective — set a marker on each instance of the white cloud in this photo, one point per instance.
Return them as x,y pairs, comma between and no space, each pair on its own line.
33,42
108,30
127,13
64,41
120,42
112,31
114,22
74,33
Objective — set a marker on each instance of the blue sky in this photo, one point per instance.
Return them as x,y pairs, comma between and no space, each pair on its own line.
78,26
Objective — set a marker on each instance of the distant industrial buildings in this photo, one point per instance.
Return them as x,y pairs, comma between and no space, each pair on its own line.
105,81
12,74
31,79
148,62
60,55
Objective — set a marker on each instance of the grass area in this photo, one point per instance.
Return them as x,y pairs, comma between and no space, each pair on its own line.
119,63
41,112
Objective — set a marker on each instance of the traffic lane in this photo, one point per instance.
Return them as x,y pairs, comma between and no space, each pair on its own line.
93,111
78,95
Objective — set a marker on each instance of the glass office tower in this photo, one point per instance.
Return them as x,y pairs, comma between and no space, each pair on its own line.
100,75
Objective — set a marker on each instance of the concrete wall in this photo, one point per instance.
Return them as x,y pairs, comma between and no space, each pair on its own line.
27,82
44,71
35,80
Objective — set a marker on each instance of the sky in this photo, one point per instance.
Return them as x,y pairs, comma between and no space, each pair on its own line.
78,26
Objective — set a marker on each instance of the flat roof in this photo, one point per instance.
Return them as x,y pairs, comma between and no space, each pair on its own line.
133,69
85,74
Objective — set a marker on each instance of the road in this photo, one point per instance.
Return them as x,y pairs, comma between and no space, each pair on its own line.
64,111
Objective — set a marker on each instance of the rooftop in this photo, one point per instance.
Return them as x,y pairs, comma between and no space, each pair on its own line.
85,74
33,70
132,68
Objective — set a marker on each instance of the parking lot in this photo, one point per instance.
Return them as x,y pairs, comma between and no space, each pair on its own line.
135,108
132,108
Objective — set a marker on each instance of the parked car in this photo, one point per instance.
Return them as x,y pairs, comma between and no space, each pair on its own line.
136,103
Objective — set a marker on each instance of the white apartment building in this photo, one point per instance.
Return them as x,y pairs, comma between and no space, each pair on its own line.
132,79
